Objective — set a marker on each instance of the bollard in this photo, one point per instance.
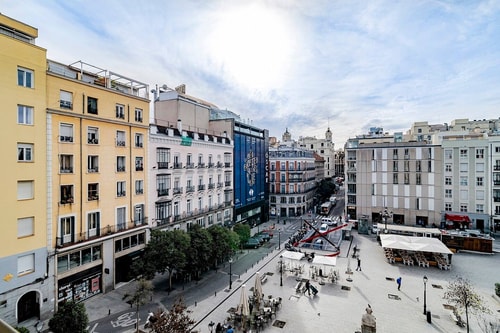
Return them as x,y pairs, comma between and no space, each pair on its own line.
109,312
215,293
195,303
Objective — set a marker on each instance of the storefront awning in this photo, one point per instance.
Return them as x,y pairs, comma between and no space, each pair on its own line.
457,218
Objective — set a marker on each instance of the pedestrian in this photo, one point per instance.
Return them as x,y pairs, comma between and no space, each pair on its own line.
308,288
230,329
359,264
218,328
398,281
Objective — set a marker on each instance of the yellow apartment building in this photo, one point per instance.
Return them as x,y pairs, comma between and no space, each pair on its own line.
25,283
97,127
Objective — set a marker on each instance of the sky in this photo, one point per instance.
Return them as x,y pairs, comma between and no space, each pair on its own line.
305,66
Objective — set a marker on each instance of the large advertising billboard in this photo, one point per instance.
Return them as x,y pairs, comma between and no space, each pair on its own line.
249,169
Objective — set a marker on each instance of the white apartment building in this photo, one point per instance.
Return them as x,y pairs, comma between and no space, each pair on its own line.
191,175
323,147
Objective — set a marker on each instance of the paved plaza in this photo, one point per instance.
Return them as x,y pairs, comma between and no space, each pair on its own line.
338,307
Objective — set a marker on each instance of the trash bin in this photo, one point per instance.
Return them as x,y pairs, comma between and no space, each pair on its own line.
429,317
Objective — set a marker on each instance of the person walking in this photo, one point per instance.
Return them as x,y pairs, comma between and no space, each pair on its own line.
308,288
359,264
398,281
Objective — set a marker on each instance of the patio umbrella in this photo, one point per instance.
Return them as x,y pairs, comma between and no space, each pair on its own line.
243,306
257,291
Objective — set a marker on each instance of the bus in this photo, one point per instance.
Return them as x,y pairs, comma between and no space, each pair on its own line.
325,208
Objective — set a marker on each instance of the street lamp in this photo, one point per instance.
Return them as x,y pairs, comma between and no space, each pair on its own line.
279,239
385,214
281,270
230,274
425,294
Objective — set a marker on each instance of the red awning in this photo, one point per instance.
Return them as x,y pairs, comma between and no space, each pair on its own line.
457,218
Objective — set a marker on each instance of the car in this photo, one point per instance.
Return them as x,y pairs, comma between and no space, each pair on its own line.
323,228
266,235
260,237
269,232
331,221
251,243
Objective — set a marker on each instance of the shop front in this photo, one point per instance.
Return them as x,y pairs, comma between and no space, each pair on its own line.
80,286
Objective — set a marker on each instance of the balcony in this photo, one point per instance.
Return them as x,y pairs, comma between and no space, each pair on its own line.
120,143
210,165
189,165
220,165
190,189
227,183
201,165
201,187
65,104
211,186
496,182
162,165
177,165
496,167
68,200
63,138
177,190
162,192
227,164
92,141
163,221
219,185
98,233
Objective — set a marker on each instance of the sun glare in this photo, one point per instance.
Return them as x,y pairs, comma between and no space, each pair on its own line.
252,45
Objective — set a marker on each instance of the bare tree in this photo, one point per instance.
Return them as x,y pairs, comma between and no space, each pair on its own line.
462,295
141,296
176,320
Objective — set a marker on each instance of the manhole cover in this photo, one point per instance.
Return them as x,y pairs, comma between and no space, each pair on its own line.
437,286
345,288
279,323
389,279
392,296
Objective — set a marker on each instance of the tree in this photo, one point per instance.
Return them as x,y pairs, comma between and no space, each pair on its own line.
176,320
198,256
243,231
70,317
462,295
141,295
221,247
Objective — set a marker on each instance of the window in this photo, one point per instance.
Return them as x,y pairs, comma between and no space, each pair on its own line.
67,227
429,166
283,188
407,153
283,200
163,212
26,264
138,115
464,167
418,178
282,177
138,141
448,154
66,194
448,193
447,206
93,191
25,226
121,215
407,166
120,111
479,195
25,77
394,154
447,167
24,152
463,208
139,164
188,205
66,163
65,100
200,161
447,181
162,184
120,138
92,105
395,165
394,178
463,181
479,181
463,153
93,135
120,189
66,132
93,223
139,187
120,164
291,189
407,178
139,214
92,163
162,157
25,189
479,208
418,166
24,115
480,153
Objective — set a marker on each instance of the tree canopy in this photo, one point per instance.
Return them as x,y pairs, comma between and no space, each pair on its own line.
70,317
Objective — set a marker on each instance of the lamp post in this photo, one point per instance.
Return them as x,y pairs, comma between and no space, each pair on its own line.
281,270
230,273
279,239
385,214
425,294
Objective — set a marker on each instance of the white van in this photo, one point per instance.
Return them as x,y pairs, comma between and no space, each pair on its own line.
330,221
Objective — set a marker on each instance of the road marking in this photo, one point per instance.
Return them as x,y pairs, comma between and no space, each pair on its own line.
92,330
126,319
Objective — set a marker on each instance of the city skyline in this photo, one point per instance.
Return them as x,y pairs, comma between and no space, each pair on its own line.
287,64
